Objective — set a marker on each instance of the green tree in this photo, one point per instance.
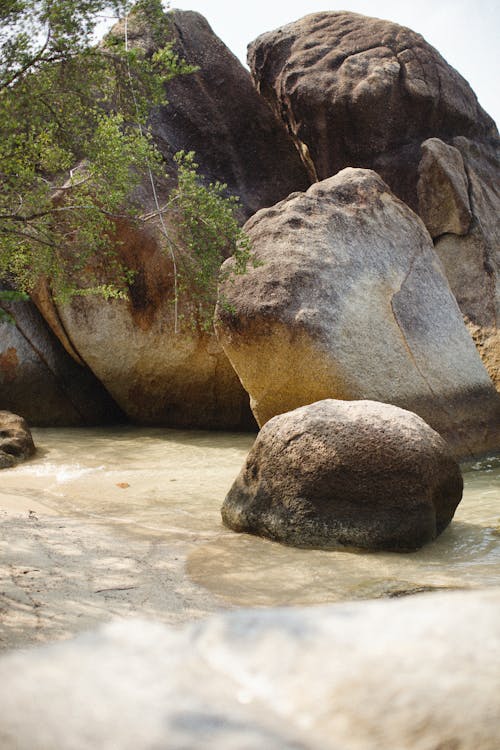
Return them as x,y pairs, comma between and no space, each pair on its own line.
211,233
74,141
72,135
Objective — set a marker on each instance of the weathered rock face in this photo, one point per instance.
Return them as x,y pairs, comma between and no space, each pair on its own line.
40,381
358,91
443,190
351,302
352,473
157,376
217,113
459,200
283,679
16,443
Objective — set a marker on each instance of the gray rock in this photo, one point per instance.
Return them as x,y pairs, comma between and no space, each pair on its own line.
16,442
352,473
414,674
155,374
351,302
159,370
443,197
217,113
41,381
472,262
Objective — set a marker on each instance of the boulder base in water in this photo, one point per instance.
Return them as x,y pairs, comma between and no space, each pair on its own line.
40,380
16,443
357,473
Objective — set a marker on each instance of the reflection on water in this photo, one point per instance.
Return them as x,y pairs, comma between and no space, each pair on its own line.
170,484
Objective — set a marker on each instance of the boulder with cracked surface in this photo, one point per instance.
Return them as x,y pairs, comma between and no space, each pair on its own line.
443,190
217,113
363,92
158,370
351,302
466,231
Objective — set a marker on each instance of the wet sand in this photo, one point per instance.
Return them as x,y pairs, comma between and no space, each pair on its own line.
126,522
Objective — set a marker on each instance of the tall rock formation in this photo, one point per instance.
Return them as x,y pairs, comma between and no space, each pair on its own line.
159,375
362,92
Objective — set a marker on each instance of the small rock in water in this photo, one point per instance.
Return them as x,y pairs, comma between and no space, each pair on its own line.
16,443
352,473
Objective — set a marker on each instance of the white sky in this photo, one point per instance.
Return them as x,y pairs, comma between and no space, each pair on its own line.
466,32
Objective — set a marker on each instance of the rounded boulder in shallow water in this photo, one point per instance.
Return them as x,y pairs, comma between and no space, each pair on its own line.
354,473
16,443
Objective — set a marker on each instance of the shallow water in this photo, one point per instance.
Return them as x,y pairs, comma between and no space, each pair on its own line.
170,484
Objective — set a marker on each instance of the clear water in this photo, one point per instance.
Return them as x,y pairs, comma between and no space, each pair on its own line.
170,484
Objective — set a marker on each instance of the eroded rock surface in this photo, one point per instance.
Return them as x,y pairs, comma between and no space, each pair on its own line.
317,678
158,367
351,302
40,381
217,113
362,92
471,259
156,374
359,91
351,473
16,443
443,190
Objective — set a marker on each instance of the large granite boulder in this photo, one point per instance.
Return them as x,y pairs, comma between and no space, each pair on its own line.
16,442
158,367
413,673
40,381
362,92
359,91
351,302
351,473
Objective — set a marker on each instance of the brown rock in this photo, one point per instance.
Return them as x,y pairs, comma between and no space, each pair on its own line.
217,113
357,473
359,91
351,302
156,373
40,381
472,262
443,197
157,376
16,443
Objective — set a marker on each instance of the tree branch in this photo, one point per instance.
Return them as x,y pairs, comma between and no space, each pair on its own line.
31,63
58,209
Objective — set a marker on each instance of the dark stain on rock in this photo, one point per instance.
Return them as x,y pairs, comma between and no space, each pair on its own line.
9,362
140,251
